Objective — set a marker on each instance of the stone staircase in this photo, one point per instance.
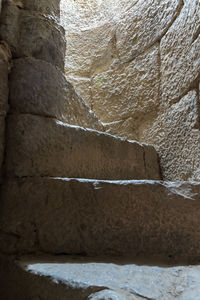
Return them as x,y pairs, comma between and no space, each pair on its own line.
70,190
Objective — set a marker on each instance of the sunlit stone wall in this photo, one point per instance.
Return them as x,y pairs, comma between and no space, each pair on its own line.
137,65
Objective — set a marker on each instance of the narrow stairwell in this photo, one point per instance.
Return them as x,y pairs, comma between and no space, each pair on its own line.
83,214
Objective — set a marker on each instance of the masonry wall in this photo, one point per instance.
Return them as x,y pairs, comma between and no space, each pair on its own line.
137,65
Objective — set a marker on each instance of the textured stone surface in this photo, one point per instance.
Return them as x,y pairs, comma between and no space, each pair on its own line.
176,136
4,68
142,25
89,51
180,53
42,38
37,87
39,146
138,58
31,34
50,7
130,218
79,278
126,91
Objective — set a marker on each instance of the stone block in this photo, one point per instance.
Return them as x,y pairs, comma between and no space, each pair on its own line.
151,219
142,25
50,7
38,87
32,34
41,37
39,146
176,136
128,90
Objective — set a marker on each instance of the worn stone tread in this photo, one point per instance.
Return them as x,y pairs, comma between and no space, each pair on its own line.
128,218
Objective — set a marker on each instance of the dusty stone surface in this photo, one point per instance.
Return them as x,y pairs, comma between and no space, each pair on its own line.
176,136
129,218
39,146
125,92
38,87
142,25
136,59
180,53
89,51
81,278
31,34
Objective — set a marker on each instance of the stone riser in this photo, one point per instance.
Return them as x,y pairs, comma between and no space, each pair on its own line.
130,218
39,146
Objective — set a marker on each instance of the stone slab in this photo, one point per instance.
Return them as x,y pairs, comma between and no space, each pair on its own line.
39,146
38,87
81,278
153,219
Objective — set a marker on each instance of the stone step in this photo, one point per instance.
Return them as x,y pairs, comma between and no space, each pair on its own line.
81,278
38,146
127,218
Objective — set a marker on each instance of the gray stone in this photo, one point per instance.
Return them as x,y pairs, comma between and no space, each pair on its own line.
39,146
150,219
38,87
29,33
176,136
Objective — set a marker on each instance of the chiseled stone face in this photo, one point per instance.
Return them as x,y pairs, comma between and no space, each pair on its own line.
125,91
176,135
142,25
136,60
38,87
180,54
29,33
38,146
132,218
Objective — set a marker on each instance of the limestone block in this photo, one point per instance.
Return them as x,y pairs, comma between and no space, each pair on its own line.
50,7
176,136
42,38
180,54
31,34
130,218
89,51
128,90
142,25
38,87
39,146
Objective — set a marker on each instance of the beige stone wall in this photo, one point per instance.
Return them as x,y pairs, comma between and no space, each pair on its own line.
137,65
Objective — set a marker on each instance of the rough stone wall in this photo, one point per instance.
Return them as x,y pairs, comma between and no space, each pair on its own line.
137,65
32,51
